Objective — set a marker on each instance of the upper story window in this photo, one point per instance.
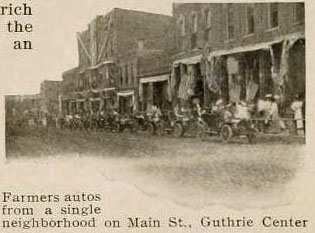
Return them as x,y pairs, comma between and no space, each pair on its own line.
121,75
208,24
250,19
131,77
298,12
126,74
230,22
194,22
208,19
106,73
134,73
273,15
182,25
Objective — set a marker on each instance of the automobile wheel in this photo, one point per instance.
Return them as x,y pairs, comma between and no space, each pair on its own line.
151,129
226,133
201,131
160,130
135,128
252,135
117,128
178,130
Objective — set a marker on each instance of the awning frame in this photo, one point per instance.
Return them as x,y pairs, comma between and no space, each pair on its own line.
125,93
159,78
189,60
254,47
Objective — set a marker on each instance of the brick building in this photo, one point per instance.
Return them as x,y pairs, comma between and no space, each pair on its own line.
35,105
50,91
239,51
106,75
23,109
154,73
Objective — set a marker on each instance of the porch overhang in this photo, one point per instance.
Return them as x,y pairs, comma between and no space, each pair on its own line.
159,78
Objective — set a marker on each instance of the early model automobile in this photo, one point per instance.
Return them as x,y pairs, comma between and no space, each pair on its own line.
226,125
109,122
143,122
175,124
127,122
239,127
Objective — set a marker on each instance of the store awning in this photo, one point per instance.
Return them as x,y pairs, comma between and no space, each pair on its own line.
95,99
125,93
160,78
255,47
189,60
105,89
107,92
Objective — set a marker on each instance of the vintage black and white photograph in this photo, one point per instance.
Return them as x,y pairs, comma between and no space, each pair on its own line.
199,103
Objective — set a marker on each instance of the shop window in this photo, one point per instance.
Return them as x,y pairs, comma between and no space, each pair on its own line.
193,41
250,21
207,34
181,44
299,12
230,22
273,15
183,69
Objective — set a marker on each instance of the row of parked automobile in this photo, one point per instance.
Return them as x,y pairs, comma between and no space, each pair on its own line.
209,123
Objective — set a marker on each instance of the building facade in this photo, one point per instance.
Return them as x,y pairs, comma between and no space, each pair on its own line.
234,51
106,75
50,91
239,51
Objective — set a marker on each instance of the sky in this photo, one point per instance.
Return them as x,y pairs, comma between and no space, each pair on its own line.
54,38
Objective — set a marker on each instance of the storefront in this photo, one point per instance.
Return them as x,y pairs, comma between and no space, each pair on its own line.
187,81
250,72
126,101
154,90
94,100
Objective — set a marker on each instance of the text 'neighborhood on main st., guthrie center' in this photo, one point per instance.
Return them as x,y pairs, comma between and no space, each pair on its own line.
208,222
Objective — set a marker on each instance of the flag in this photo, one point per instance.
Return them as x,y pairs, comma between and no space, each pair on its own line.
186,84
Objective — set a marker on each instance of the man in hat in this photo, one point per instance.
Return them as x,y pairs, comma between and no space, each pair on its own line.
273,119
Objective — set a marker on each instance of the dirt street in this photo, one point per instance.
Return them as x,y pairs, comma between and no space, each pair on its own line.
185,170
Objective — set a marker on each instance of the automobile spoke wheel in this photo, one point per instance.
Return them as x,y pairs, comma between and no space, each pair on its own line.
151,129
252,135
226,133
160,129
201,131
178,130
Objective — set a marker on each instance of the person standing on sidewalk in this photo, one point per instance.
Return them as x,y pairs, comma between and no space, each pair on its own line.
297,106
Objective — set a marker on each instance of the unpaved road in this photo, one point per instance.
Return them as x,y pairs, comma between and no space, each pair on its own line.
187,171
